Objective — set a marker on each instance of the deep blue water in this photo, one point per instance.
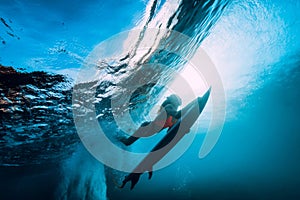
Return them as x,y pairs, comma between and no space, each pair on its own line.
254,45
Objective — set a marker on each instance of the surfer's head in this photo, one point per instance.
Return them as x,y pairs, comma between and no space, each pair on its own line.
174,99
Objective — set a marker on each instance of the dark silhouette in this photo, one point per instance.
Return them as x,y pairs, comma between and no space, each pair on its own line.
167,116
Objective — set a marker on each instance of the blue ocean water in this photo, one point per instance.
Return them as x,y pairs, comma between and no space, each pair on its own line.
253,44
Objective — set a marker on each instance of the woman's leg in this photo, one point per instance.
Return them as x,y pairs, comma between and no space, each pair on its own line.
145,130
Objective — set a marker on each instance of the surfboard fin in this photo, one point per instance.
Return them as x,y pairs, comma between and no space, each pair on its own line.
150,173
133,177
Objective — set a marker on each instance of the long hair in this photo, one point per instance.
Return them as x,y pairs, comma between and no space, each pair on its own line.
173,100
